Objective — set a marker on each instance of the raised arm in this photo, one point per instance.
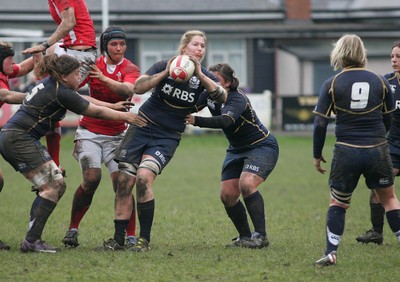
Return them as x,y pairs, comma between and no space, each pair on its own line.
68,22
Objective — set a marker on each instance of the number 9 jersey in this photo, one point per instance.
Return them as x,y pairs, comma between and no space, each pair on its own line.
359,98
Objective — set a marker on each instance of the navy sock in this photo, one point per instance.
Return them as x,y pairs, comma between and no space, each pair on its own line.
377,217
40,212
238,215
335,220
255,207
119,233
145,213
393,218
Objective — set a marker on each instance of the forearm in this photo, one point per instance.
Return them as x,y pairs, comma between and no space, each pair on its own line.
145,82
320,128
223,121
97,102
26,66
216,91
11,97
67,24
101,112
122,89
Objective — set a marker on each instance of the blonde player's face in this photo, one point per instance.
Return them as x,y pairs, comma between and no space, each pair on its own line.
196,48
72,80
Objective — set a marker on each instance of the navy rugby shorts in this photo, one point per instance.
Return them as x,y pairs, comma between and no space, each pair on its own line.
22,151
260,160
349,163
150,140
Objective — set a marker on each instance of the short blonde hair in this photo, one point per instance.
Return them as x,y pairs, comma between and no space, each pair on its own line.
348,51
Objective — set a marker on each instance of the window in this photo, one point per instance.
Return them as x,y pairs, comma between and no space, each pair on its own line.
231,51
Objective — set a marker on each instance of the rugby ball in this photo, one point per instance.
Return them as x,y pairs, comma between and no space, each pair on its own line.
181,68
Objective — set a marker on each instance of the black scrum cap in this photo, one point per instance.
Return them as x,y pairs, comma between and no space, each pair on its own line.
112,32
5,51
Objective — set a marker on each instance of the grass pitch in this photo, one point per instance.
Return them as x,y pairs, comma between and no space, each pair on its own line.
191,227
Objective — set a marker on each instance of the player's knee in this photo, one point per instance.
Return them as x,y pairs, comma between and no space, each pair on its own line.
151,164
340,198
229,198
127,168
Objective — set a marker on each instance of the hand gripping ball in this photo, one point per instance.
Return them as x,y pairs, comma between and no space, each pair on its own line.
181,68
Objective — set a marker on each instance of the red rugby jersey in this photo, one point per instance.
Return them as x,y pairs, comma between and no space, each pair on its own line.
84,33
125,71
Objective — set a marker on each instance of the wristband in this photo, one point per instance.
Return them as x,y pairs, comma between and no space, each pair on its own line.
45,44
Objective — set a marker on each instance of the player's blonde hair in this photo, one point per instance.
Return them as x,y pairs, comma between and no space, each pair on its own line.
348,51
187,37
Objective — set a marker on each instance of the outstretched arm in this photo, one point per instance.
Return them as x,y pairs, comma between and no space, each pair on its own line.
11,97
109,114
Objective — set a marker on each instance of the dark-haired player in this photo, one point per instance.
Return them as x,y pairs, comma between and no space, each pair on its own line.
362,101
111,80
250,158
20,138
9,69
375,234
76,30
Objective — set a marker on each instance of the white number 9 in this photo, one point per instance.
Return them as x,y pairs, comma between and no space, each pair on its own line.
359,95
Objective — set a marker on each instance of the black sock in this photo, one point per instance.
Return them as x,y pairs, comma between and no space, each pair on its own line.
255,207
393,218
119,233
377,217
40,212
145,213
238,215
335,220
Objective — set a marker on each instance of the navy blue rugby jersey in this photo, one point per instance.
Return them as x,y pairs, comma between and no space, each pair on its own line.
170,102
47,103
247,129
359,98
394,131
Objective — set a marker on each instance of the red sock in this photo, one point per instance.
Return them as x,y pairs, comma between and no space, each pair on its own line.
80,206
131,228
53,143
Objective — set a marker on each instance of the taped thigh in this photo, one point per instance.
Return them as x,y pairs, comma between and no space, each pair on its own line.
151,164
127,168
340,197
50,172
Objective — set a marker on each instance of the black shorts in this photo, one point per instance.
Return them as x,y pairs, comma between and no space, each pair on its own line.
260,160
22,151
349,163
150,140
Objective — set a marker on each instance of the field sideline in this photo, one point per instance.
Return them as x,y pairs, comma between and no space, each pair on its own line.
191,228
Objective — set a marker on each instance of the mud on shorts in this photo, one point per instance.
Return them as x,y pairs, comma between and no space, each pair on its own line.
91,150
21,150
349,163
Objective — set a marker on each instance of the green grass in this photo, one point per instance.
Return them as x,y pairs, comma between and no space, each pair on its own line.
191,227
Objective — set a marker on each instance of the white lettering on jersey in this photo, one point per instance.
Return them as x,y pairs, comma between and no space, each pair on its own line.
178,93
397,104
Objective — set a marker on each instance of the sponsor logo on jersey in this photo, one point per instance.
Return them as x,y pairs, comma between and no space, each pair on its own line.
177,93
